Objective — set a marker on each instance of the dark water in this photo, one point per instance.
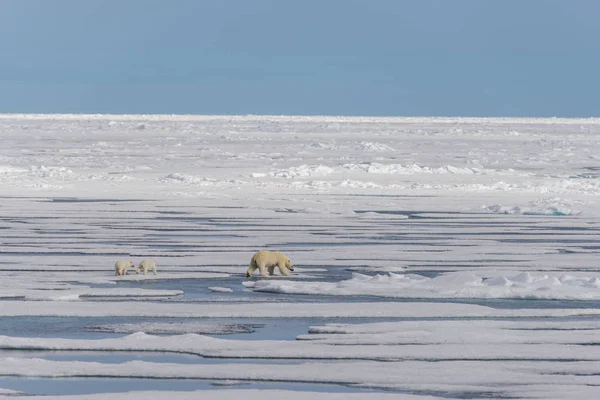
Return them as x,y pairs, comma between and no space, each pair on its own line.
83,327
81,386
119,357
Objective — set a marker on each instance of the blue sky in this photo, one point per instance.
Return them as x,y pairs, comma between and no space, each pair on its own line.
325,57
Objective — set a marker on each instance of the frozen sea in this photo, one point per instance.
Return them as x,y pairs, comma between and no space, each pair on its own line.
435,258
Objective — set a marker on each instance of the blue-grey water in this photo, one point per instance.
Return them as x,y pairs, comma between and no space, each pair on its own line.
80,386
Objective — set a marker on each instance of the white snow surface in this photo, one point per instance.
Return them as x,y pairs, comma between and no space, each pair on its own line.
434,257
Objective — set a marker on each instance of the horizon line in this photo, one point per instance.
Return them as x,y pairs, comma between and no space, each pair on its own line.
192,117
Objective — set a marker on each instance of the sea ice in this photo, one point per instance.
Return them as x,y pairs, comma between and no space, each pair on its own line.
459,210
449,285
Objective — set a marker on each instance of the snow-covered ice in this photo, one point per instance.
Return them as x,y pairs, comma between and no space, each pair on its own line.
220,289
434,257
449,285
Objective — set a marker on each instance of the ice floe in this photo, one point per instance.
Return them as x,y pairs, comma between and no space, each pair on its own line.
220,289
524,285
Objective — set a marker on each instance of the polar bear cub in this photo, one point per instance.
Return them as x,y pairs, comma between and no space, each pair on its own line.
145,265
265,259
122,266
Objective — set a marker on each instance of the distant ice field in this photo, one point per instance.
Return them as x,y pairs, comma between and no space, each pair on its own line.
434,257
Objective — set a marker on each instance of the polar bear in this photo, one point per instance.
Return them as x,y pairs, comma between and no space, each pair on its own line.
122,266
270,259
145,265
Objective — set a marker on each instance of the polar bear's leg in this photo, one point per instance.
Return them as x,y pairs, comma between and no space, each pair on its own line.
154,269
251,269
271,269
262,268
283,269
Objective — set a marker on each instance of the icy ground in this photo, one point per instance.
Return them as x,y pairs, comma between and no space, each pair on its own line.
434,258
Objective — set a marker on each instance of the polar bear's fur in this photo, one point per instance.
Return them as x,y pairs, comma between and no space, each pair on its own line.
122,266
265,259
145,265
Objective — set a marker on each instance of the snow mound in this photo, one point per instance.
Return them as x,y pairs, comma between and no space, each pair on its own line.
377,168
51,172
10,170
373,146
349,183
302,171
558,211
188,179
60,174
324,146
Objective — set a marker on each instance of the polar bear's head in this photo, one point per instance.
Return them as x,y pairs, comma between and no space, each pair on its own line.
288,264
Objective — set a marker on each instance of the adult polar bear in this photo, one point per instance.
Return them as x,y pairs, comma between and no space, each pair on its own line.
266,259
